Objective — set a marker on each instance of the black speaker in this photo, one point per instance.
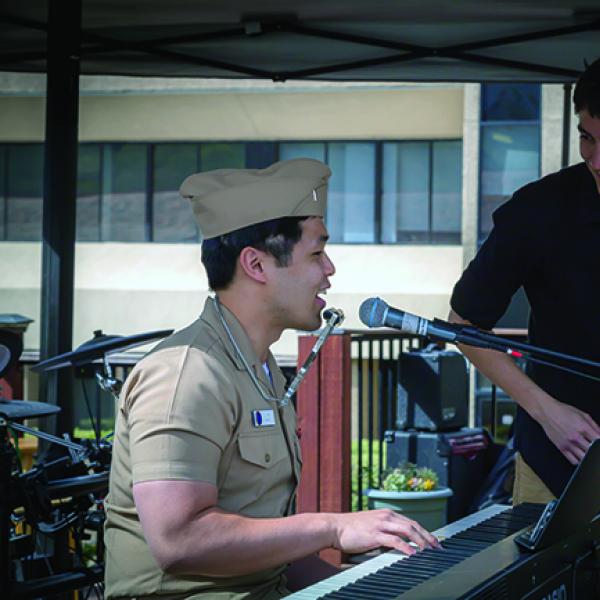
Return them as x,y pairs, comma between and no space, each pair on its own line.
433,390
458,458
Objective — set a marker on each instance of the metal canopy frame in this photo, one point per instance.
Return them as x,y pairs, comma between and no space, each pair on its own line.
93,44
343,40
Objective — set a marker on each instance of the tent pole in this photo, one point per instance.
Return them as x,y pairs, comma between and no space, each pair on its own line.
60,193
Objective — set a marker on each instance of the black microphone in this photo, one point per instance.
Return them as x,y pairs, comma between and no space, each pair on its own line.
374,312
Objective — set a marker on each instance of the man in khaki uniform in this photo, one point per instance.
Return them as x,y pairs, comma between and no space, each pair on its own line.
206,458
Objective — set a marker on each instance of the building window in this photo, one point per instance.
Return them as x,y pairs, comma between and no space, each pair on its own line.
89,192
510,145
3,204
379,192
421,200
22,174
351,196
124,183
172,216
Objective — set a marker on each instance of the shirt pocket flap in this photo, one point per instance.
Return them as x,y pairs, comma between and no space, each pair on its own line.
262,450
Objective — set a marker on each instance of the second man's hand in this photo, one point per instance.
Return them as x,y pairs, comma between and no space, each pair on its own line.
571,430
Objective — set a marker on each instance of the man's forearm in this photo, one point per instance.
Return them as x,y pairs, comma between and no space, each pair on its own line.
502,371
224,544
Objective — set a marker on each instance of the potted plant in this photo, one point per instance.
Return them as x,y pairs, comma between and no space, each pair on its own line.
414,492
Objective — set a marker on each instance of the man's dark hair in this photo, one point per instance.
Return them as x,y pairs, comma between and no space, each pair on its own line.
277,237
587,90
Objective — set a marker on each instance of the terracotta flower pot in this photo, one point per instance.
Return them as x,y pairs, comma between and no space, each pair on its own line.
427,508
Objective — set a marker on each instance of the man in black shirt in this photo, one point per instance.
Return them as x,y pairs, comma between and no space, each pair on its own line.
546,238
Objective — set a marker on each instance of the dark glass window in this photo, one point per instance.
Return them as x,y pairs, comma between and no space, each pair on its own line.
222,156
124,185
24,192
510,158
510,145
3,161
380,192
173,218
513,102
259,155
314,150
89,192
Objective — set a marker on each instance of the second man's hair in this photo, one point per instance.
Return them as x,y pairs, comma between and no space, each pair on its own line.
587,90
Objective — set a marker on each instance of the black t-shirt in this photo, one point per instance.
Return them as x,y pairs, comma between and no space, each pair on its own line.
546,238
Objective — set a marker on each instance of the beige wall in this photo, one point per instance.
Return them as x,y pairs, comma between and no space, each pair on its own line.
133,288
364,114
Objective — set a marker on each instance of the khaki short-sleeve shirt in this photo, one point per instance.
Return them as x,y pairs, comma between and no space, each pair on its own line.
187,412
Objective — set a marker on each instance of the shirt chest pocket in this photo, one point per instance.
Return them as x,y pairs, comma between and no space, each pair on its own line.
264,450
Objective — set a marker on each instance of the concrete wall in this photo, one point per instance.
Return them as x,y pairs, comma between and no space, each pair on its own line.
133,288
365,114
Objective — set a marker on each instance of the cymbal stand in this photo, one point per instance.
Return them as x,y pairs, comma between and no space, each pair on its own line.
79,450
6,461
106,381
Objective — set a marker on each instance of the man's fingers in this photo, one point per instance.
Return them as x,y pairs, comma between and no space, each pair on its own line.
594,427
571,457
397,543
414,532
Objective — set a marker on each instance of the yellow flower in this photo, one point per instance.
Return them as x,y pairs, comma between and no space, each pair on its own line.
428,484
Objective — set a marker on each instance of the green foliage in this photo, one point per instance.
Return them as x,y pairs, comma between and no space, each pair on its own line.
373,480
410,478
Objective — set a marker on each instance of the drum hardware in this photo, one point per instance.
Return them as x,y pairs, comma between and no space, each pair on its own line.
13,410
61,492
72,446
106,381
97,348
11,347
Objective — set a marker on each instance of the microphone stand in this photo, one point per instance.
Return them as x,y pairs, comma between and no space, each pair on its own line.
472,336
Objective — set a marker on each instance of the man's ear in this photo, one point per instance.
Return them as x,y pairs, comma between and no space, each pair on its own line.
251,262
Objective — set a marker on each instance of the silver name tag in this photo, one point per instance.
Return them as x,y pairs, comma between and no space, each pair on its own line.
263,418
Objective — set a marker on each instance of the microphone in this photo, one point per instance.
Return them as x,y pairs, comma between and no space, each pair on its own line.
375,312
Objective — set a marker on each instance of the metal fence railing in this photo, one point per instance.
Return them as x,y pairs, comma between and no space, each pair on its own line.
376,360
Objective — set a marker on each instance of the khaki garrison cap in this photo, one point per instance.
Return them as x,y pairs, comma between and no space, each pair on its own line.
228,199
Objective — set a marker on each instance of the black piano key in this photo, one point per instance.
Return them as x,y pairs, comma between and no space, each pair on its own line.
393,587
418,570
390,577
406,577
482,536
466,545
355,590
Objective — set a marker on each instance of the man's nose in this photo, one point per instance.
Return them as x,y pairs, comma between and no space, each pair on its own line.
329,266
